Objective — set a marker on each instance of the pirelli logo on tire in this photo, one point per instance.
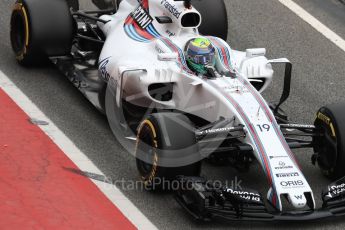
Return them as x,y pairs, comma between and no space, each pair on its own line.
326,120
17,6
148,179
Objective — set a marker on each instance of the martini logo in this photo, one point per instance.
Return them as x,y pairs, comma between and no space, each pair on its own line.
141,17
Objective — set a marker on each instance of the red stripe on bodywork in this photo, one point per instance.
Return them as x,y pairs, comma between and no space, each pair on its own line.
174,48
261,149
40,187
225,56
269,115
145,4
264,155
222,48
142,32
129,20
258,98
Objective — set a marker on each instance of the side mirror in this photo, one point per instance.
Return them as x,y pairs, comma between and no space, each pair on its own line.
257,52
167,57
164,53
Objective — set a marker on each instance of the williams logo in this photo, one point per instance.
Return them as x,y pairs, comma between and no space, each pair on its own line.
171,8
282,165
142,17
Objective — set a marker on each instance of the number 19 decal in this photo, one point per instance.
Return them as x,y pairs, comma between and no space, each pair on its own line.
264,127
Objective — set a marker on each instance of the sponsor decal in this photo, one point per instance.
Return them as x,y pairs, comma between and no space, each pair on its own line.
271,157
324,118
219,130
327,120
138,25
103,69
299,197
335,190
170,34
249,196
292,183
282,175
292,126
159,50
235,88
141,17
171,8
282,165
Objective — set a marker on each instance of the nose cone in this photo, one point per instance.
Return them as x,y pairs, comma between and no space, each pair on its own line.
297,200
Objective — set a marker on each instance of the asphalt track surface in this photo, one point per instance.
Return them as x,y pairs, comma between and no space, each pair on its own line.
318,79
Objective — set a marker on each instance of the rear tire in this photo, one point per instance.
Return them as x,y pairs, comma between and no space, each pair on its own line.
160,138
214,18
41,29
330,148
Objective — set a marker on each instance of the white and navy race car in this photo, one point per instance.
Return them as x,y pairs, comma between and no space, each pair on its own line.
135,61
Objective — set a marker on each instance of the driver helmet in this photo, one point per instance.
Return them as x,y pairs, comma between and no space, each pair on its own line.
200,54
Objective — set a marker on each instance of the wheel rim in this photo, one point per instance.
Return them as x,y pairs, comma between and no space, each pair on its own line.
146,148
326,147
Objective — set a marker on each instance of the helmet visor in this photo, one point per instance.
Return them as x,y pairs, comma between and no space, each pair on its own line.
203,59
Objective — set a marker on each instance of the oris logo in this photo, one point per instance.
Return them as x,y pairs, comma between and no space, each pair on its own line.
292,183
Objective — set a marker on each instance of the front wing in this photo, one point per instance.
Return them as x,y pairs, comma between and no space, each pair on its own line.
206,202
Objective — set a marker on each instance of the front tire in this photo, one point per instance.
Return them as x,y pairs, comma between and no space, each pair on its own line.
166,148
330,147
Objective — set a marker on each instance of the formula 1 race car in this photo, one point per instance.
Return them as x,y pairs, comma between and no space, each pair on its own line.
184,97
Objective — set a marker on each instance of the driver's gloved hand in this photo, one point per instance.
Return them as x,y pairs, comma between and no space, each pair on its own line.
211,72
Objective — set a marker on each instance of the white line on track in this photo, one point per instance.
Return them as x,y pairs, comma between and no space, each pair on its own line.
74,154
316,24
